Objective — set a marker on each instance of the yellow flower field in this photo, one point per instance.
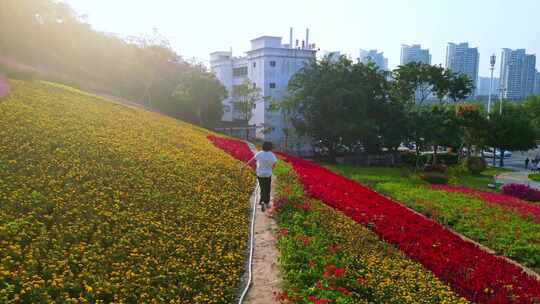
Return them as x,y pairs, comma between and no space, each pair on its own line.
100,202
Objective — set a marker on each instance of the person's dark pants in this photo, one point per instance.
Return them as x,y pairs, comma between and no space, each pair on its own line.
265,183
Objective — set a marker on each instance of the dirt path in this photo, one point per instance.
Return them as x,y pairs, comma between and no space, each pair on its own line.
266,279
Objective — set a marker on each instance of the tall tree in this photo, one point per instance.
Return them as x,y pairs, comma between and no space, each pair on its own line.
532,109
443,128
245,97
199,96
460,87
413,82
510,131
473,126
336,103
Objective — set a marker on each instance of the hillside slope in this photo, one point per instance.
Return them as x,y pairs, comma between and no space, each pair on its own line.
99,201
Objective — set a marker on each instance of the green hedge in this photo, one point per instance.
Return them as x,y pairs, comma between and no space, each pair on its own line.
449,159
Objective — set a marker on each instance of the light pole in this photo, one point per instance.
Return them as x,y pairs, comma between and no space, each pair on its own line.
492,67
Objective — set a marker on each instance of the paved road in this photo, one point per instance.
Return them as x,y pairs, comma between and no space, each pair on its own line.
520,174
517,161
517,177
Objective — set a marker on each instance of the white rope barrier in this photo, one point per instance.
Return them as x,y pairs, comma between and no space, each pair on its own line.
255,198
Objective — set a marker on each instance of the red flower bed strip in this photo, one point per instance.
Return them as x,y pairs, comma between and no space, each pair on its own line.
472,272
526,209
235,148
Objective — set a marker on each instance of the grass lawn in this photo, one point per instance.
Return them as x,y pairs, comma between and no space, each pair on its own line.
371,176
535,177
481,181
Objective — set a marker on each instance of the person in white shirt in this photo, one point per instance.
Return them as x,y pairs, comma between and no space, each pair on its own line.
266,160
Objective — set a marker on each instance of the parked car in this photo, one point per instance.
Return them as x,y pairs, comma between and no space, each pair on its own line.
489,153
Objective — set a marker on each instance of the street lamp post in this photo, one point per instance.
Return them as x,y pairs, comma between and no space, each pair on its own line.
492,67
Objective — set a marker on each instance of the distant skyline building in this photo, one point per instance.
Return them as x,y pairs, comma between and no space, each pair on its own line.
375,57
483,86
518,72
537,84
414,53
269,65
460,58
333,56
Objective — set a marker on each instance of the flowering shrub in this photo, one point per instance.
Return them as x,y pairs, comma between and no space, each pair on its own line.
328,258
522,191
104,203
514,204
472,272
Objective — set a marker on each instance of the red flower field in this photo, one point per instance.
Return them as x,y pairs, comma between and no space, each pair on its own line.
472,272
235,148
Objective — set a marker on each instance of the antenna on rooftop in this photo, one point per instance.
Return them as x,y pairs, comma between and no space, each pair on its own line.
290,38
307,38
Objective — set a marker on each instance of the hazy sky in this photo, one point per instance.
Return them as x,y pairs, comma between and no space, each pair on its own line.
199,27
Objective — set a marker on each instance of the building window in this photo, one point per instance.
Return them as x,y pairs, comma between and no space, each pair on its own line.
272,85
241,71
272,63
254,64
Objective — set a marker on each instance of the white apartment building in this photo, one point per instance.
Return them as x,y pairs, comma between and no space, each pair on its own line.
269,65
460,58
375,57
484,85
517,74
414,53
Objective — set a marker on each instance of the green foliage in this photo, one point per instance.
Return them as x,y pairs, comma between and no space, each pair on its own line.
339,103
199,96
460,86
511,130
409,158
415,81
434,177
245,97
535,177
475,164
532,109
473,124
